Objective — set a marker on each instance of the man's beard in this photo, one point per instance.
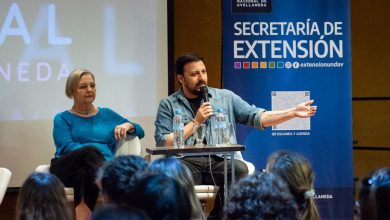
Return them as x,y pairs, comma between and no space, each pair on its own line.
199,85
196,91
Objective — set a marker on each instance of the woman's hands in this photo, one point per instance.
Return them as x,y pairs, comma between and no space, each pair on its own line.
121,130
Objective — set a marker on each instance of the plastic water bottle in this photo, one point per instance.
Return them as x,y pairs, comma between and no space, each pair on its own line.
220,126
178,130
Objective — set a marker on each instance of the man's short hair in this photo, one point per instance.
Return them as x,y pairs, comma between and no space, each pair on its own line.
121,212
117,177
161,197
260,196
184,59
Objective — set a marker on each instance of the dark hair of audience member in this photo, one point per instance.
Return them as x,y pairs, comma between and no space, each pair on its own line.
374,196
118,212
161,197
297,172
172,167
260,196
42,196
116,177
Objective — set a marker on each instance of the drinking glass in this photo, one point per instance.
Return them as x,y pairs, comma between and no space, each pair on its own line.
228,133
200,133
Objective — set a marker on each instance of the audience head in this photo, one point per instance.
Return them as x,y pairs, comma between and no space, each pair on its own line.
161,197
117,212
73,81
184,59
297,172
42,196
172,167
116,177
374,196
260,196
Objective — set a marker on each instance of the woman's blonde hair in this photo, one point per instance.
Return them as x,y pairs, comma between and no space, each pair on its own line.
74,79
297,172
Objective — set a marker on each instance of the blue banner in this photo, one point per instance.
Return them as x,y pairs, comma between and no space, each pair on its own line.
277,54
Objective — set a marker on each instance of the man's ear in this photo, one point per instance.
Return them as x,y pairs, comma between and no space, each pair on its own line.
180,78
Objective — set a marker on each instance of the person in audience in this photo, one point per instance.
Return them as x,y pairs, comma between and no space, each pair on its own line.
260,196
42,196
374,196
116,177
172,167
297,172
118,212
197,107
162,197
85,136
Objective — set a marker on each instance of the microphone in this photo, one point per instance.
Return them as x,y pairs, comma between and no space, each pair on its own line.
205,91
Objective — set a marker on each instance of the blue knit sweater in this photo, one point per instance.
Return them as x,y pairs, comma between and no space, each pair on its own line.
72,132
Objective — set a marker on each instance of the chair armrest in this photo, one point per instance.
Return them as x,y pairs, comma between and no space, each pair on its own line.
131,145
5,176
250,166
44,168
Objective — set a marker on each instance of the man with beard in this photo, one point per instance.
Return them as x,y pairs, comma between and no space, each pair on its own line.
195,110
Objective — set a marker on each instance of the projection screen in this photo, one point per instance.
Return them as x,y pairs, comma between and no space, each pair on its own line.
124,43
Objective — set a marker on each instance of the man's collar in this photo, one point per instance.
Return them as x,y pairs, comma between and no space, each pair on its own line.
182,95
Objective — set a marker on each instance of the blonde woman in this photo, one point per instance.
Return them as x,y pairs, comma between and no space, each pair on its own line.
85,136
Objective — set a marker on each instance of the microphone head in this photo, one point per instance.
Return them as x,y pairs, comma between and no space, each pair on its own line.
205,91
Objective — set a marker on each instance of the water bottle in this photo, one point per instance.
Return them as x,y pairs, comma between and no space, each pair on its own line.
178,130
220,126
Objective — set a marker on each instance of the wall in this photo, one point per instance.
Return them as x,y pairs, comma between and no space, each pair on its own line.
370,85
197,28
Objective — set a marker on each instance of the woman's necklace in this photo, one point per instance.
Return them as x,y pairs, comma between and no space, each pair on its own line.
86,112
